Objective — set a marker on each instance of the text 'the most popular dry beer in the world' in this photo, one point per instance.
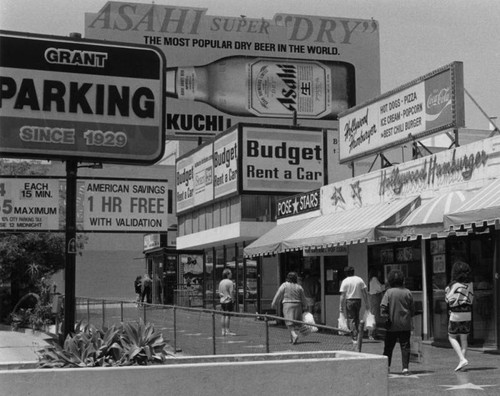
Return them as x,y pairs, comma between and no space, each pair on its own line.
267,87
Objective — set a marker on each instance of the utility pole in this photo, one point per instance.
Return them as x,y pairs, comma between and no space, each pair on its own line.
69,272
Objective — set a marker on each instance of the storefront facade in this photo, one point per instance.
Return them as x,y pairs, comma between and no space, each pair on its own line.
227,192
373,218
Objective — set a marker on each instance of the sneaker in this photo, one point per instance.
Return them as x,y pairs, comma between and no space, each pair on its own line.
406,372
462,364
224,332
229,333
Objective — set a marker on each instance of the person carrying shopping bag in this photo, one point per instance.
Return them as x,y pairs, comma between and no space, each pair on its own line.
291,294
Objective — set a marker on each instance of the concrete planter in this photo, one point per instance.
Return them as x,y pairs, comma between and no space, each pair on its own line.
302,373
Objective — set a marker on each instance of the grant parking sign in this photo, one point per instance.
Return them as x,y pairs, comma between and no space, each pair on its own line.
62,97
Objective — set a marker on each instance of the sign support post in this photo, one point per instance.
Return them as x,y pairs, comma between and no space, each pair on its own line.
69,272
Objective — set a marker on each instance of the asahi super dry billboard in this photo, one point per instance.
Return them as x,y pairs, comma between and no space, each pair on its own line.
224,70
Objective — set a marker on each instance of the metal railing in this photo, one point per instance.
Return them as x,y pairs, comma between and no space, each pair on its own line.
197,331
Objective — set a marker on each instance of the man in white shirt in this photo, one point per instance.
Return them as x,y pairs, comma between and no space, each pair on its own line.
353,296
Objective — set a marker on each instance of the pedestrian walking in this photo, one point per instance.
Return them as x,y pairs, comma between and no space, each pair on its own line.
353,297
146,288
398,308
137,288
226,294
291,294
459,295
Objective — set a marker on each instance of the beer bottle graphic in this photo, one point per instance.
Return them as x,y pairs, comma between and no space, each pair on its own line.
267,87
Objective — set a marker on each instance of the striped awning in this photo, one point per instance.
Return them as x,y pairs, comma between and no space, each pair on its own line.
272,241
349,226
480,210
426,221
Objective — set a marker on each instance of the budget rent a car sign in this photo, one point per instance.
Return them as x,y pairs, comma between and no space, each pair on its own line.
63,97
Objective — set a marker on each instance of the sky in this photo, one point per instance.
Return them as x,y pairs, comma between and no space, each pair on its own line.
416,36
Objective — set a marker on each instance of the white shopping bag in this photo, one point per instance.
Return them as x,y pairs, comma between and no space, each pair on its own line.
369,320
343,323
308,318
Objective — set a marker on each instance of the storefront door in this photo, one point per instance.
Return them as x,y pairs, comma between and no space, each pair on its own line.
478,252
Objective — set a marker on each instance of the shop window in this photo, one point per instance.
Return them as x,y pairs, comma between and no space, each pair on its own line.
181,226
220,263
223,213
188,224
195,215
255,207
483,312
334,273
209,218
211,293
217,218
251,284
235,210
405,257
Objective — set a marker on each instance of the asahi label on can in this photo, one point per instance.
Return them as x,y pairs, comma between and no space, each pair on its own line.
279,89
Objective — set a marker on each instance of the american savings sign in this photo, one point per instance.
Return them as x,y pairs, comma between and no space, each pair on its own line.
63,97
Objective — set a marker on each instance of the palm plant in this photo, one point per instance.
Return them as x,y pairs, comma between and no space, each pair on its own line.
128,344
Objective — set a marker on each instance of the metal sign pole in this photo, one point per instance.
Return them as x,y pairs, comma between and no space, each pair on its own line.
69,273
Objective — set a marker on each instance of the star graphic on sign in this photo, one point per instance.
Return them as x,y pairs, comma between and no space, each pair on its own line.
468,385
295,206
356,192
337,196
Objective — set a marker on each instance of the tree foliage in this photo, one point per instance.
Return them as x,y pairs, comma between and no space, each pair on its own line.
28,257
31,255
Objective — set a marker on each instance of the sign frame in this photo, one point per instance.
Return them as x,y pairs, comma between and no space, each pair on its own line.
386,117
70,98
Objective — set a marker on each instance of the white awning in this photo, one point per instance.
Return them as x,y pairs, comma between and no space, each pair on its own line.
272,241
482,209
350,226
426,221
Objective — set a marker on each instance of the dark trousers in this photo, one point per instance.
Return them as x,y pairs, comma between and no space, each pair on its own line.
352,308
403,337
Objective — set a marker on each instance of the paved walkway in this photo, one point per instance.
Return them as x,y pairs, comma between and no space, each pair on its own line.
434,375
17,348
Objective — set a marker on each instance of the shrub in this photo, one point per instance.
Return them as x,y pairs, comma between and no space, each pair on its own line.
126,345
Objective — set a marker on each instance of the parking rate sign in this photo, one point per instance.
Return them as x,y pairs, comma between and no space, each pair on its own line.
63,98
30,204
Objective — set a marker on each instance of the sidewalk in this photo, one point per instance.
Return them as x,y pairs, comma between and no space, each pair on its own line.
17,348
435,375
